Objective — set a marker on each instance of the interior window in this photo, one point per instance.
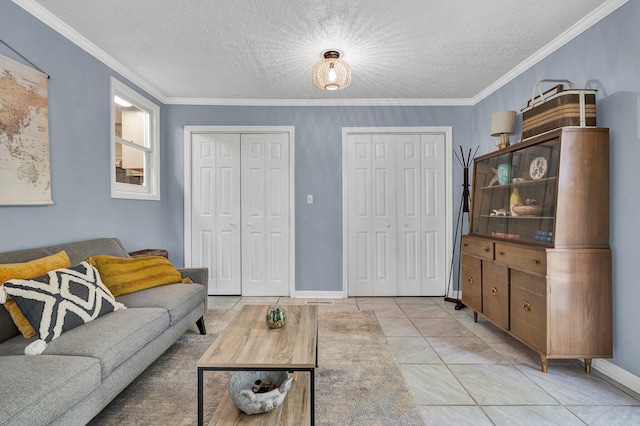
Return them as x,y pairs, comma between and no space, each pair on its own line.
134,144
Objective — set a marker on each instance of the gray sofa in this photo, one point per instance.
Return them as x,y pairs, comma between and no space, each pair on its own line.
81,371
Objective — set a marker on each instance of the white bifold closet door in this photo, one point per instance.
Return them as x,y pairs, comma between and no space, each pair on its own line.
396,214
265,214
240,212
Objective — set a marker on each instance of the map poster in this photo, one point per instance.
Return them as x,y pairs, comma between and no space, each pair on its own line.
25,177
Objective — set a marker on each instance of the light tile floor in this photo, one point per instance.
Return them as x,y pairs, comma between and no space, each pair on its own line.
461,372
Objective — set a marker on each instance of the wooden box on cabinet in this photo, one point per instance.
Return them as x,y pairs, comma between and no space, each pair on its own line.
544,272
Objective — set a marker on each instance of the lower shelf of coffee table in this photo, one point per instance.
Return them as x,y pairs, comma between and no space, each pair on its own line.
293,411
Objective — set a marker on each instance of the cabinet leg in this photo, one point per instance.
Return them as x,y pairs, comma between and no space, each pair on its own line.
587,365
543,363
475,316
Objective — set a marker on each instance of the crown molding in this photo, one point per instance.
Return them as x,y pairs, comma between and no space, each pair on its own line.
319,102
75,37
585,23
65,30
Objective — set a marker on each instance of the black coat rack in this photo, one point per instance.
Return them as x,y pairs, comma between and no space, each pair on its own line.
463,211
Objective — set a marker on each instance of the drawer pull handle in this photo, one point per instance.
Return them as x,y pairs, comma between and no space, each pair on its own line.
494,291
470,279
501,253
487,249
466,245
535,261
526,306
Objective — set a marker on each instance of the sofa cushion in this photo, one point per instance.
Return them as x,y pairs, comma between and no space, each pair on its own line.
178,299
62,299
112,338
54,384
27,270
127,275
8,328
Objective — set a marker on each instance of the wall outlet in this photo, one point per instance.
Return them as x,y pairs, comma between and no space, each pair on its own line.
309,198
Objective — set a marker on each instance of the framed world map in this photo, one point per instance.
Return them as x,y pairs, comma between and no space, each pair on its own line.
25,177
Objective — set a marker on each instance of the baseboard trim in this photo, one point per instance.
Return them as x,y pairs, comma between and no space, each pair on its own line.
318,295
618,374
453,294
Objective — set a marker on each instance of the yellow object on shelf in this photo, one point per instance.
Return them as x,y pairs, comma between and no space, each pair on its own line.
514,200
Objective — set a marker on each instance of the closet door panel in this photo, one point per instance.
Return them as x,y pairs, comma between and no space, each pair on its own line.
409,217
433,212
360,216
384,214
265,214
215,210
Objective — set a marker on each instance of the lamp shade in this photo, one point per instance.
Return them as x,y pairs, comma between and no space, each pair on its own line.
503,122
331,73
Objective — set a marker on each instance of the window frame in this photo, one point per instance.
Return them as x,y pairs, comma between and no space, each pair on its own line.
150,190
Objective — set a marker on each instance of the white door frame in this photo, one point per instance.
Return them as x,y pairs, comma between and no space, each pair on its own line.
447,131
188,132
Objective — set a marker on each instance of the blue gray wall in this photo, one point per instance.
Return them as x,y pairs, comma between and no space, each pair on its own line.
318,170
605,57
79,138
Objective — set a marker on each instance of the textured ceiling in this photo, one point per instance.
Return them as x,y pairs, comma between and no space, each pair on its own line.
251,49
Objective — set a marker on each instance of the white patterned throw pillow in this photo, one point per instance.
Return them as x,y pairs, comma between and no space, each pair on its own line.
59,301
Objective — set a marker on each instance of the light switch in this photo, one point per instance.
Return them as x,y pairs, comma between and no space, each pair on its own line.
309,198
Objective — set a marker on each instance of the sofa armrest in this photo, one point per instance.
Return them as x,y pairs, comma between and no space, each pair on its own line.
197,275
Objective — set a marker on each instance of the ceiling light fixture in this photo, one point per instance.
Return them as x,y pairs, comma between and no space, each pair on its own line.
331,73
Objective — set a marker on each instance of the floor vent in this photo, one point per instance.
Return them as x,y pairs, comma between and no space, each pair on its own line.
317,302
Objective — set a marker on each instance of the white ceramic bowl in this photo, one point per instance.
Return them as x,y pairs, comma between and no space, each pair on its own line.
533,210
249,402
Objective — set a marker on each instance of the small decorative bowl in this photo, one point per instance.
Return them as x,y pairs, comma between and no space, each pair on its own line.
276,317
531,210
241,390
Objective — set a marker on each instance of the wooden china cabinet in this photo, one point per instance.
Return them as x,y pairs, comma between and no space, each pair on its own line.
537,260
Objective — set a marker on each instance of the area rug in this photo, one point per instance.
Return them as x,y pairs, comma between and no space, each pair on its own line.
357,381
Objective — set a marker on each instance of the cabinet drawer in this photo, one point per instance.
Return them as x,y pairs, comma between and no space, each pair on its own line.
529,309
495,293
478,247
472,282
523,258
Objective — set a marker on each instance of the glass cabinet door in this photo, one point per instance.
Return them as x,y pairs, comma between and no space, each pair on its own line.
514,194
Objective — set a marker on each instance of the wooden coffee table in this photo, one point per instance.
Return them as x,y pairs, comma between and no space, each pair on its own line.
249,344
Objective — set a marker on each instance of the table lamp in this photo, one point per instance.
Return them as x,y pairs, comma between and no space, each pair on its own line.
503,124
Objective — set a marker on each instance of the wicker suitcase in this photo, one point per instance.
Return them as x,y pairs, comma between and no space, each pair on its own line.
558,108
